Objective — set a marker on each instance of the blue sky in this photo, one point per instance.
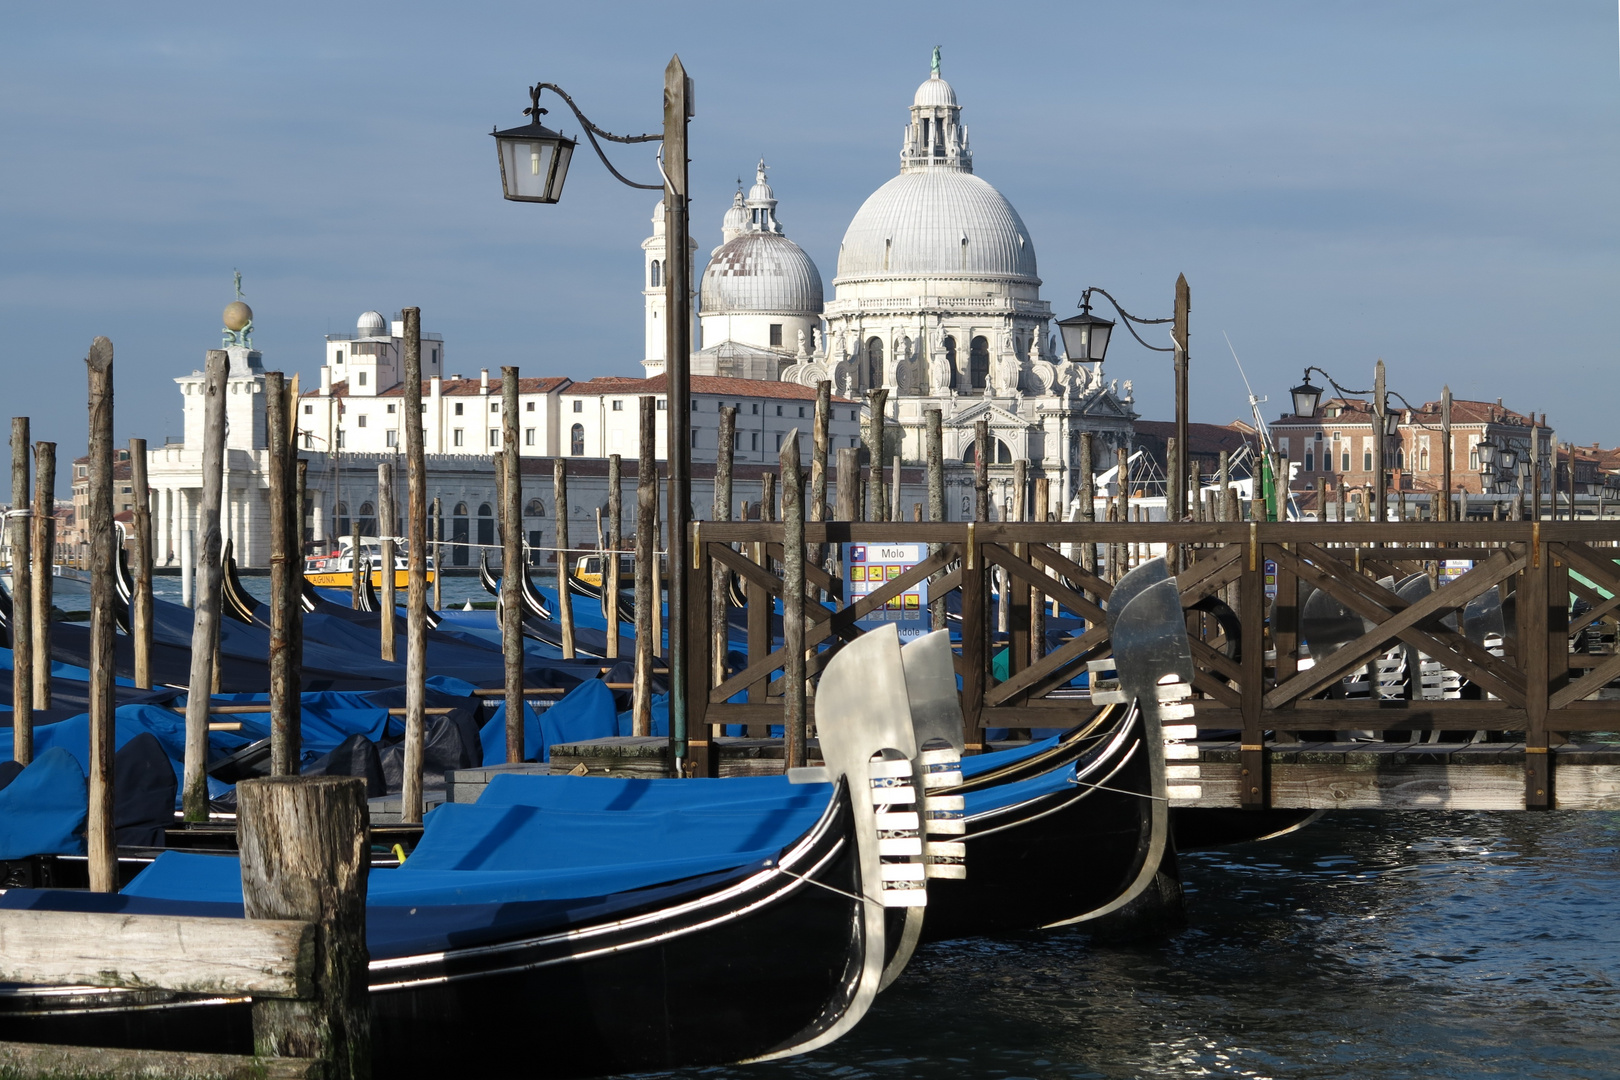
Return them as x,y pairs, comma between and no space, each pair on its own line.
1431,183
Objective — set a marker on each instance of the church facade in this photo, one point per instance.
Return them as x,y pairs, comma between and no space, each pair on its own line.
936,299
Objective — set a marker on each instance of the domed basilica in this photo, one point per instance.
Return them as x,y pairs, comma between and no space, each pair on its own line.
937,298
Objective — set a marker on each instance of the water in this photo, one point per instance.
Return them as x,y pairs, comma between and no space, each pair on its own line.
1369,946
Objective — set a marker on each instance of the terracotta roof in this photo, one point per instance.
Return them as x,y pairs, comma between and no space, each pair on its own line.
717,385
1463,412
457,387
1205,438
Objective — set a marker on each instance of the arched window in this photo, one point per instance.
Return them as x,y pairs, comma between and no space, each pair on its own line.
1001,456
874,362
536,508
368,520
657,276
341,513
576,440
978,363
486,524
459,537
950,358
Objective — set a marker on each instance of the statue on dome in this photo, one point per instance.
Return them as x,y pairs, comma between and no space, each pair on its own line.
933,69
238,319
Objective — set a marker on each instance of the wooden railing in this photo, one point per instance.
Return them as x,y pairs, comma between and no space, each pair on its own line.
1254,675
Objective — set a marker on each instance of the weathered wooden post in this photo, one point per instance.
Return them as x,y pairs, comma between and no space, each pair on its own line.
416,573
610,558
848,507
438,546
981,470
205,609
1014,607
719,594
878,400
895,513
767,496
1122,459
358,564
934,451
295,547
1037,597
793,672
44,580
284,735
821,439
565,569
509,494
100,840
386,526
648,603
140,604
305,855
22,599
1088,504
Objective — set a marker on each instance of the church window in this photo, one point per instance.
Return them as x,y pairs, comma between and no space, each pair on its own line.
576,440
579,406
874,356
455,437
528,436
978,363
776,335
362,377
458,408
657,277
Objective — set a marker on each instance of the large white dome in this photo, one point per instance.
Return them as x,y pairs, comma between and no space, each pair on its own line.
936,223
760,273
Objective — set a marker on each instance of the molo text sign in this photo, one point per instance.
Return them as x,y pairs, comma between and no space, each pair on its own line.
867,567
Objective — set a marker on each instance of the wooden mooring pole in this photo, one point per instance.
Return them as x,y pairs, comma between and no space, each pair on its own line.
876,506
284,733
611,585
821,440
140,614
1088,504
358,567
719,575
387,527
438,547
22,599
100,841
510,492
416,570
935,453
793,672
305,856
205,608
565,557
648,602
44,576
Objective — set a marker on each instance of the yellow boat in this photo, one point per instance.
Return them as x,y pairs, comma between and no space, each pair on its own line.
336,570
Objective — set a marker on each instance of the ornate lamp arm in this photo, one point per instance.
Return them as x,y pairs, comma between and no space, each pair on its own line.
1342,391
591,131
1410,408
1085,299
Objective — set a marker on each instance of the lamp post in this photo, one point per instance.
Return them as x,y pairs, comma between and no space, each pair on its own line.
534,164
1385,424
1085,337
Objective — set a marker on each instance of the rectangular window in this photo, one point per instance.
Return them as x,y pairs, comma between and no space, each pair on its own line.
340,440
528,436
494,436
579,406
528,406
694,439
360,421
776,335
1366,455
494,406
779,410
458,408
618,405
309,410
853,441
391,410
1473,453
1282,448
801,412
455,437
339,356
391,438
755,440
853,416
694,406
1310,461
362,377
662,405
755,409
779,442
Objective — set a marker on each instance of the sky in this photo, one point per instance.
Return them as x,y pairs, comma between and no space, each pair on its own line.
1433,184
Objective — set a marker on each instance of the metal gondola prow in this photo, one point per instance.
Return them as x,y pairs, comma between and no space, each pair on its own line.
237,602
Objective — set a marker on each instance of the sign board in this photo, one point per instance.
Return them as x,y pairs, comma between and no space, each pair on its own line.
1452,569
1271,579
867,567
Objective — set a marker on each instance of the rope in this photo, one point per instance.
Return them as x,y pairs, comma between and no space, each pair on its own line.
829,888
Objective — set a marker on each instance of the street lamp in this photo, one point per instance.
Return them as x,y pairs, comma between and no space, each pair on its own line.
1085,337
534,163
534,159
1306,397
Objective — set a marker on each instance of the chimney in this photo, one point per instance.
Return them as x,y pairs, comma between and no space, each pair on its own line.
326,380
483,381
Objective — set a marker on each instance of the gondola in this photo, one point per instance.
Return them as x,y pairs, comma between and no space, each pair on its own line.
662,941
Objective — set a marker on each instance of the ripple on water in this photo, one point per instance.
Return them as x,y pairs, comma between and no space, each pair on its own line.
1374,947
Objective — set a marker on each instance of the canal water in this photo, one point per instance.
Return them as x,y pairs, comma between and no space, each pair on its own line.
1366,947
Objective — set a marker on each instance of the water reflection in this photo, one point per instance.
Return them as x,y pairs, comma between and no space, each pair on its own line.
1371,945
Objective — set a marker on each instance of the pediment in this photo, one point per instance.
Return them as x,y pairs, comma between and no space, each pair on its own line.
998,416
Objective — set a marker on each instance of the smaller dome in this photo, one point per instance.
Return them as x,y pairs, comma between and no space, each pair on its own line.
735,223
933,93
371,324
760,273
